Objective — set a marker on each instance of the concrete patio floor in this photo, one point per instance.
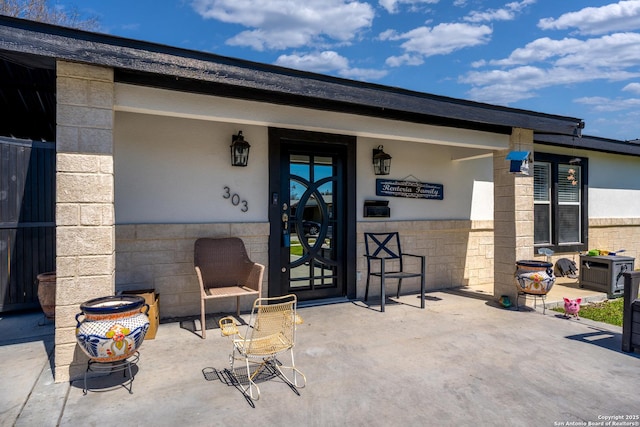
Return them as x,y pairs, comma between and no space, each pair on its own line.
563,287
463,360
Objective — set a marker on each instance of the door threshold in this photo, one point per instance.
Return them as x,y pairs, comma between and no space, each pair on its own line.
320,302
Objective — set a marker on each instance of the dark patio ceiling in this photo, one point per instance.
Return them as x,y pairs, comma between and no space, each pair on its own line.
27,97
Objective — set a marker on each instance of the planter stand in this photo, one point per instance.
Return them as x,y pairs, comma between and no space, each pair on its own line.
124,366
535,299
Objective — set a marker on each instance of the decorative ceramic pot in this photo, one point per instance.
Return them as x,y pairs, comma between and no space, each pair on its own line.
113,327
534,277
47,293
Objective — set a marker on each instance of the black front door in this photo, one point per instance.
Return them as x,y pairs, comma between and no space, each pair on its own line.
312,215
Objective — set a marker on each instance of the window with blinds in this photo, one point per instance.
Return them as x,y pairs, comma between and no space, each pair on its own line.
542,202
559,202
568,204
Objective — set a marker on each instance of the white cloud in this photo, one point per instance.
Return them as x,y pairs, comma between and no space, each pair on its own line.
406,59
507,13
632,87
130,27
546,63
320,62
507,86
366,74
539,50
504,86
442,39
392,5
326,62
621,125
388,35
603,104
595,52
616,51
260,39
621,16
279,24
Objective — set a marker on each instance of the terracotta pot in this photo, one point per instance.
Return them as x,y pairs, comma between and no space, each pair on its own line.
47,293
534,277
113,327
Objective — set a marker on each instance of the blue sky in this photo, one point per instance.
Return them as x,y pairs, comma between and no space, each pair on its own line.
566,57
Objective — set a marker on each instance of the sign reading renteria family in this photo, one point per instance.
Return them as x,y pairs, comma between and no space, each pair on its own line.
410,189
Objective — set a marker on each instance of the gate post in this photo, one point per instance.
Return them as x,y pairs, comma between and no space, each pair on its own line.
631,285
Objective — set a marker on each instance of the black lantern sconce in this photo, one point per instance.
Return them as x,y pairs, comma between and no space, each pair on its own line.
239,150
519,162
381,161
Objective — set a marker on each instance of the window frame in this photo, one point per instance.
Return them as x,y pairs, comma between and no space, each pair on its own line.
555,160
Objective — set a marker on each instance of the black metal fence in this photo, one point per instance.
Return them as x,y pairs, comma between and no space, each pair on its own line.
27,220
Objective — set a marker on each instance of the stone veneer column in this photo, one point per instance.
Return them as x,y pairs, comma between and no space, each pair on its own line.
513,215
85,231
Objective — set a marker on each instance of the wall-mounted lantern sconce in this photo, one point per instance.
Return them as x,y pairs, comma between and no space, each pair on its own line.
381,161
239,150
519,162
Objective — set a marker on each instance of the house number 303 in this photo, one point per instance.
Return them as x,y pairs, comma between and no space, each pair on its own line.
235,199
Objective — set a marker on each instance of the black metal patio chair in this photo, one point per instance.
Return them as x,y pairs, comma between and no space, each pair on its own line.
384,250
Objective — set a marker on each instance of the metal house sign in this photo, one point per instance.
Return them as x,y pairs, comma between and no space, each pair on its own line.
410,189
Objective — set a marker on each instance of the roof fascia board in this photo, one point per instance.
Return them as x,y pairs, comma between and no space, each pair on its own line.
592,143
22,36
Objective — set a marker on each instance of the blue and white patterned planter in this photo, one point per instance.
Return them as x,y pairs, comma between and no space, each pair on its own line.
113,327
534,277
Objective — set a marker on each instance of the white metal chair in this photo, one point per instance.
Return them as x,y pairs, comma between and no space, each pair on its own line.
271,331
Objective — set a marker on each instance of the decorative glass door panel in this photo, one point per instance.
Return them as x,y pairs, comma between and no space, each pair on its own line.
313,227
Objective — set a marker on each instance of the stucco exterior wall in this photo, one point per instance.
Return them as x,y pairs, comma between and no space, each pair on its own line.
468,189
175,170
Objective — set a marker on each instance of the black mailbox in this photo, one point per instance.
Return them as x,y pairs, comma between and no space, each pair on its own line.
376,209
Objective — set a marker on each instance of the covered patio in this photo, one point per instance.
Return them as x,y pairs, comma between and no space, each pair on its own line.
461,360
137,123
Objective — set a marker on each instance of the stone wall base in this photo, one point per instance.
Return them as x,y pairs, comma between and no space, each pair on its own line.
611,234
160,257
458,253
